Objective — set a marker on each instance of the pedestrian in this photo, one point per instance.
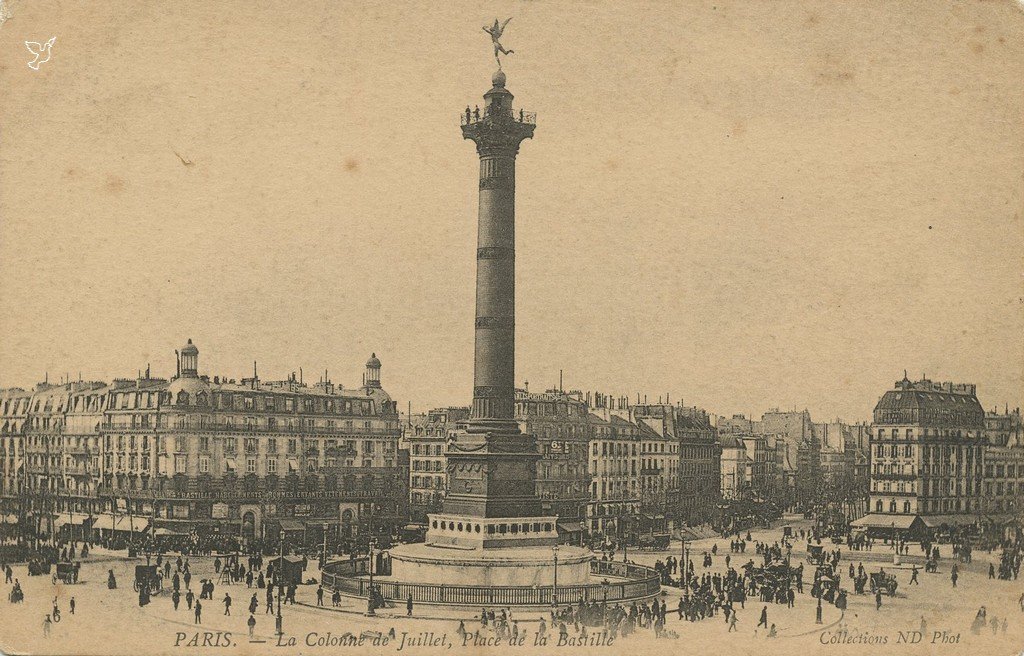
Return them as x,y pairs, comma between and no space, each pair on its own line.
189,598
175,599
732,622
764,618
408,606
319,595
991,571
252,624
913,576
878,599
253,604
199,612
772,633
47,623
954,576
227,604
71,605
270,600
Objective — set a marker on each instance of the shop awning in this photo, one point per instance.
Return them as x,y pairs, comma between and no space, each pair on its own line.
291,525
128,524
1003,518
104,521
901,522
166,531
75,519
934,521
230,463
569,527
293,465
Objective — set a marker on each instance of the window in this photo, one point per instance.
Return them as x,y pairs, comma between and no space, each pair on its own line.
250,465
179,464
272,445
293,445
179,443
204,464
230,445
271,465
204,443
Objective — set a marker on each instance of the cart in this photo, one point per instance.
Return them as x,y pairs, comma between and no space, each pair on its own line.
886,583
654,542
147,576
67,573
815,554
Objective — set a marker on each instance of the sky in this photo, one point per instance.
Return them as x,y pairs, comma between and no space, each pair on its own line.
742,205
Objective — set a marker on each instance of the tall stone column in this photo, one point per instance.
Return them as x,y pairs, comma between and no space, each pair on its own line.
497,134
492,465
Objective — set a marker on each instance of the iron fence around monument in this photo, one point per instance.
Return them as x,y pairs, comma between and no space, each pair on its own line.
640,583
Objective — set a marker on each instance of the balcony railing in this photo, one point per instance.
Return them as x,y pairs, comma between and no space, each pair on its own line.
642,583
519,116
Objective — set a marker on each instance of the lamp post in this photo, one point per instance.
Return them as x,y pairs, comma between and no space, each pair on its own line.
817,613
604,588
682,555
554,587
371,612
280,585
323,551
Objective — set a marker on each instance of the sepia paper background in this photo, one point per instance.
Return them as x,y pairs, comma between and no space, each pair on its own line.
743,203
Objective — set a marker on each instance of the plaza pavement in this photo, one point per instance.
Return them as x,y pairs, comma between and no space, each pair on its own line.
111,622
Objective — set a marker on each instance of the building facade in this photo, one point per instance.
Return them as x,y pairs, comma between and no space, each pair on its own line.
428,466
927,455
195,456
559,421
615,466
735,465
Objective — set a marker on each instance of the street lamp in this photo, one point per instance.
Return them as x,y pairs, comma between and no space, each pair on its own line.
369,593
682,554
554,587
323,552
817,614
280,585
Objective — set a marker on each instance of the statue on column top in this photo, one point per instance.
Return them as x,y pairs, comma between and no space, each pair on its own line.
496,31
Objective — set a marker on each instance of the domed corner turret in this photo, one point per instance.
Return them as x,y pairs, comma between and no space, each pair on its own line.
373,371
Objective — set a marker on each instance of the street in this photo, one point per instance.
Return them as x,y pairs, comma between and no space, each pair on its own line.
111,622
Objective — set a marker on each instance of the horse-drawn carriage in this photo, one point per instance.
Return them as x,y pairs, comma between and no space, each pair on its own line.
148,577
886,583
654,542
67,573
815,554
